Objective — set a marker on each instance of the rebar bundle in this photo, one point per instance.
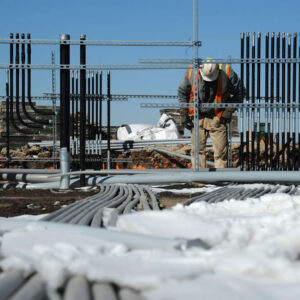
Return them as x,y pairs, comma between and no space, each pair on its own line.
270,132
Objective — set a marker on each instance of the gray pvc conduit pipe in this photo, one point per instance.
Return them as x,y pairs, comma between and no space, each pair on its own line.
10,282
87,218
205,177
29,171
199,198
129,294
225,193
250,193
90,206
131,240
32,178
185,177
53,215
122,206
136,171
97,218
74,183
33,289
103,291
134,202
143,199
154,202
67,214
77,288
124,192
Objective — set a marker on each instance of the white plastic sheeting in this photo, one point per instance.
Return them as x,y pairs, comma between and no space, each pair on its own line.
165,130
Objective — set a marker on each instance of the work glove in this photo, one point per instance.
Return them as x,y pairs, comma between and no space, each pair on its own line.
189,123
227,114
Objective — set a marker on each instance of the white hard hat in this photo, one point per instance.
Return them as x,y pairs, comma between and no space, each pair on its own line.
209,71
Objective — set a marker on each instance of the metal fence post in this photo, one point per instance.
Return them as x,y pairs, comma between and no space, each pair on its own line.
82,108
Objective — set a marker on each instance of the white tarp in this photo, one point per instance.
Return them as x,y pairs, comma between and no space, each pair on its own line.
165,130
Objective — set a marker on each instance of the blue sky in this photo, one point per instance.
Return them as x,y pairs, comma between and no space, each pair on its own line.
220,25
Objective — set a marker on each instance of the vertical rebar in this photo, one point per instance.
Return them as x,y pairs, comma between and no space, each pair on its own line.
26,114
253,137
195,79
93,104
108,119
76,103
7,122
11,85
259,100
37,111
97,104
100,105
11,80
64,93
283,101
72,106
294,101
272,121
241,154
288,154
54,117
248,109
17,61
89,107
278,111
100,114
267,101
82,107
229,132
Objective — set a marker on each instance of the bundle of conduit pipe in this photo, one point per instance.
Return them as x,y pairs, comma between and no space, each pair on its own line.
112,200
238,192
15,285
119,198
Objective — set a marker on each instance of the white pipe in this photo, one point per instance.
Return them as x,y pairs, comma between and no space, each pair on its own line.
64,167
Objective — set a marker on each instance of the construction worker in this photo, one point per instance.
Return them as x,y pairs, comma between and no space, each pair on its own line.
217,83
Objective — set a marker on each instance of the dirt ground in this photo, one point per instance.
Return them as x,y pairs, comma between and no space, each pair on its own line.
15,202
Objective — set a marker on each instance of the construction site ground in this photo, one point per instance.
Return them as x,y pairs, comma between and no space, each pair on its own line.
16,202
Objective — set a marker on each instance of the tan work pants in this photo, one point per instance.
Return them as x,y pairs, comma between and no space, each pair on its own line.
217,130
